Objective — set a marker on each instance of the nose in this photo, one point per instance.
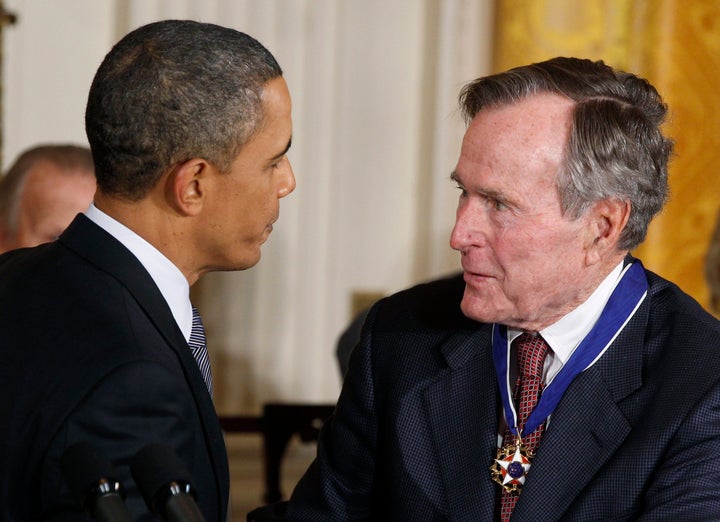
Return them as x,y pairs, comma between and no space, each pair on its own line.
467,230
287,180
456,236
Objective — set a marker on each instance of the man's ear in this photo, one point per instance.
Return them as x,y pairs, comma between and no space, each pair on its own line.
185,186
608,218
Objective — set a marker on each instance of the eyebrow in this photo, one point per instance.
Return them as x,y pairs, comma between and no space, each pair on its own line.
488,193
281,154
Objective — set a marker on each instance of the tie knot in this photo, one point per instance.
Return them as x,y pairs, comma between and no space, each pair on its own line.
531,354
197,333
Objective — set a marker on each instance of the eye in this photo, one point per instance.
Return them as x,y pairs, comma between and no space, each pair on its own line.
498,205
495,201
278,162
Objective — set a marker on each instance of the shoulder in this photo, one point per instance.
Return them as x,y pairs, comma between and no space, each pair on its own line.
417,331
681,345
679,315
432,305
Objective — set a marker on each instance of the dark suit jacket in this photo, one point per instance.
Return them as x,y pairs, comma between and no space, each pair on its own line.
636,436
89,351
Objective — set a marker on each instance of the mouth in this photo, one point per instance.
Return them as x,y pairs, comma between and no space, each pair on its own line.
475,278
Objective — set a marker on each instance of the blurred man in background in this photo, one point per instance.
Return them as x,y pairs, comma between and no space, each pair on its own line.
41,193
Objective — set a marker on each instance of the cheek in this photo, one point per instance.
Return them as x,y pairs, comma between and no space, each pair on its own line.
558,257
252,212
530,255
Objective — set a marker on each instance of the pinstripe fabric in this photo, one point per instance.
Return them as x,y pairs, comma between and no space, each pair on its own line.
198,347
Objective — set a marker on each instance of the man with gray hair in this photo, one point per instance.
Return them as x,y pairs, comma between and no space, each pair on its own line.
41,193
102,354
557,378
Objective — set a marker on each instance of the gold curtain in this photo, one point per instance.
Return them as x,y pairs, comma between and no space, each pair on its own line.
676,45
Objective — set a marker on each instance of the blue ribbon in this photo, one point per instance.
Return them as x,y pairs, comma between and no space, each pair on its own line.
623,302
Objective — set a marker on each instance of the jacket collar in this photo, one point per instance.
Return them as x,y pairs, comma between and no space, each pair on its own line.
588,421
458,406
102,250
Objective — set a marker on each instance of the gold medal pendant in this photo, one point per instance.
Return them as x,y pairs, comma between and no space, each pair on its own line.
510,467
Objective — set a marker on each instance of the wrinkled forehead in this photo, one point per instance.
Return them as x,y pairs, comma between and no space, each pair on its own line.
538,125
531,114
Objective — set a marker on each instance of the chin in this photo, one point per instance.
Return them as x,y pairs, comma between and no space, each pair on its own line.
240,261
480,308
251,260
474,309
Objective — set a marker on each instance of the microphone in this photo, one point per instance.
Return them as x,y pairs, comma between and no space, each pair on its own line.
164,482
90,478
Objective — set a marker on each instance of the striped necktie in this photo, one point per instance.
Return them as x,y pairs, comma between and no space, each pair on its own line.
198,347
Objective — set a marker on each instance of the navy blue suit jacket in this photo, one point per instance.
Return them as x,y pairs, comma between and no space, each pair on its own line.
635,437
89,351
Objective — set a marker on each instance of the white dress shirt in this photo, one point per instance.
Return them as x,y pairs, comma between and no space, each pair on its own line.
169,279
564,336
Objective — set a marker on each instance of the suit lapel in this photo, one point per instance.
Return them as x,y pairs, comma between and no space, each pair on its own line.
585,431
458,406
586,428
102,250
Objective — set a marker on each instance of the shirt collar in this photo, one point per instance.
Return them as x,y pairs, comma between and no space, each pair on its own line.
565,335
169,279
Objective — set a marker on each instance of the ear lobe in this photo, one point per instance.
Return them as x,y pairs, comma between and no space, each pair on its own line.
608,220
185,186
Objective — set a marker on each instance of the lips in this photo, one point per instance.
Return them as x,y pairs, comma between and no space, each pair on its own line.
476,278
475,268
473,272
269,226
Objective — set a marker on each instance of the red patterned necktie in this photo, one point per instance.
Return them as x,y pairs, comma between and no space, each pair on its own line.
531,351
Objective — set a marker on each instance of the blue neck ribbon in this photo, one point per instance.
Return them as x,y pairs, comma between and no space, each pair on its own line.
622,305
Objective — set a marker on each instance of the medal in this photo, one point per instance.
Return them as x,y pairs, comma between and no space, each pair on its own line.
511,466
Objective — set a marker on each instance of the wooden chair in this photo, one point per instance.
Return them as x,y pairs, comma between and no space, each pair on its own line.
277,425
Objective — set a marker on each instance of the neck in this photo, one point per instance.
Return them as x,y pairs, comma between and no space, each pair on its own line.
155,224
554,312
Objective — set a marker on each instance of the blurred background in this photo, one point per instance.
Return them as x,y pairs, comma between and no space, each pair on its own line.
376,135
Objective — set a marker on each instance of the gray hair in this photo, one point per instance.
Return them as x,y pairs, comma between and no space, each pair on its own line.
615,150
171,91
